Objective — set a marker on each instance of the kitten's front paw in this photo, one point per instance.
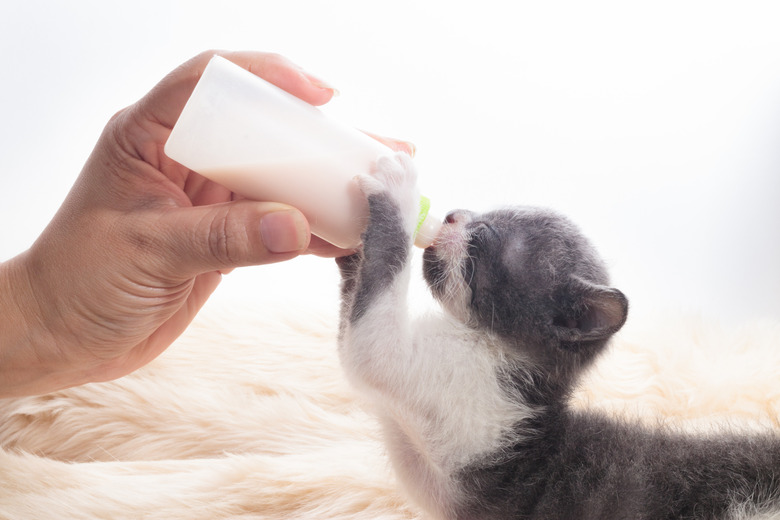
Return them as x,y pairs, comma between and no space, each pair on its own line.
396,177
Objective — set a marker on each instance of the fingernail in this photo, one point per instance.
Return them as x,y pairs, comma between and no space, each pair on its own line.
412,149
403,146
284,231
325,86
320,83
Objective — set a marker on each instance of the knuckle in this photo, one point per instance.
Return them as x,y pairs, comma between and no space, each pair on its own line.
191,70
274,59
199,61
220,240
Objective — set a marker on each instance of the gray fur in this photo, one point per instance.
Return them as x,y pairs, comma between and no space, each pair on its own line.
384,254
531,290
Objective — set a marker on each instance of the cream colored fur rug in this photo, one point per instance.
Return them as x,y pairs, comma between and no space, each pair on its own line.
248,416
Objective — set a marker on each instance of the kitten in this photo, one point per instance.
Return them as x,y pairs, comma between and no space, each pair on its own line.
473,401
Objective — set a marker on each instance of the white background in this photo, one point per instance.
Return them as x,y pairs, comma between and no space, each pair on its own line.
654,125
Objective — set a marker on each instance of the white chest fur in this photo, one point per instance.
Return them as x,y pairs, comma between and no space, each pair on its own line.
436,390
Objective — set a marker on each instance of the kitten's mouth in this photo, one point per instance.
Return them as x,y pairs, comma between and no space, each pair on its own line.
450,240
443,258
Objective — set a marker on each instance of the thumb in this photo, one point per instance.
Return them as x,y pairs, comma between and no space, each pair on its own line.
233,234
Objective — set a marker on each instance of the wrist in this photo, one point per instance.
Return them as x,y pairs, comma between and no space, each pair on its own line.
25,367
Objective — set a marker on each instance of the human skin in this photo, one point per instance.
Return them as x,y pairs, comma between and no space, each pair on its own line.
139,244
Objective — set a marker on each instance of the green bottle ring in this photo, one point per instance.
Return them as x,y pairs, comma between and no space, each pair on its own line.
425,206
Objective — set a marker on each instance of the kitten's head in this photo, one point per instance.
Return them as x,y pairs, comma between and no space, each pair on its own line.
528,275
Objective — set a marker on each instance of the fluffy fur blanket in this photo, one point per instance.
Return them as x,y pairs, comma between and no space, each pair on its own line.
248,416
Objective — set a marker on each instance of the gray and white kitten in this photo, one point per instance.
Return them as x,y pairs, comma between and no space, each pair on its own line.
473,401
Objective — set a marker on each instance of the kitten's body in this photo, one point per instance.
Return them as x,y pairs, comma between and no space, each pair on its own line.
473,402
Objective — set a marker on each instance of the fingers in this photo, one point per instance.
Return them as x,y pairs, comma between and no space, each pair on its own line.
222,236
319,247
395,144
166,100
286,75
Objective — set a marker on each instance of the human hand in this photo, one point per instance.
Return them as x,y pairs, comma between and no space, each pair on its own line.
138,246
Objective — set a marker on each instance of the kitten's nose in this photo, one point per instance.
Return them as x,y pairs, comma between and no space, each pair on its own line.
457,216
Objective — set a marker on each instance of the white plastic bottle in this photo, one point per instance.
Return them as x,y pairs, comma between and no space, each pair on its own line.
265,144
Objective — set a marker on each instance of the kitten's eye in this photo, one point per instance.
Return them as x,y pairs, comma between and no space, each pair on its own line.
484,241
483,237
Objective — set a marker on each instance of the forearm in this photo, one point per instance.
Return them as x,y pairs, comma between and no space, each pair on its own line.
376,335
24,339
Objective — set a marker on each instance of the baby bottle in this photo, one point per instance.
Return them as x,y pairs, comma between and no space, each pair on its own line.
265,144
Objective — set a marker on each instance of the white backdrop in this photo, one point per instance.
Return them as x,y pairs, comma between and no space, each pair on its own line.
655,125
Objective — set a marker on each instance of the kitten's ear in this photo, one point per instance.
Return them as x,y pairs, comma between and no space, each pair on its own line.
592,312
